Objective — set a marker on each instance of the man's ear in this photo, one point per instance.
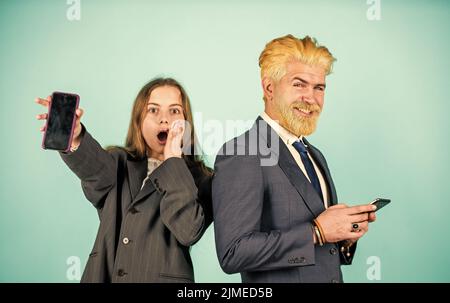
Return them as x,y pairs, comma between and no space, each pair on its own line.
267,85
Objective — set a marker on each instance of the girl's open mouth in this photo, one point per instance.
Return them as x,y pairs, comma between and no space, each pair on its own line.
162,137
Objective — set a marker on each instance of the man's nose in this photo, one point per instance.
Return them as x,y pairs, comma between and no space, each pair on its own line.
308,96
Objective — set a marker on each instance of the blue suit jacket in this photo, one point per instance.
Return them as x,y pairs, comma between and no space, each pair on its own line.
263,208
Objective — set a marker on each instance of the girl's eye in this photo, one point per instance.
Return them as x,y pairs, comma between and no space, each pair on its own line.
175,111
153,110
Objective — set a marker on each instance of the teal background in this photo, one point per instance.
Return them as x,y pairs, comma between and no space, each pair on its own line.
384,129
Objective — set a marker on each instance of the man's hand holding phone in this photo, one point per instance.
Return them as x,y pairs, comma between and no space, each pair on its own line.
338,222
343,223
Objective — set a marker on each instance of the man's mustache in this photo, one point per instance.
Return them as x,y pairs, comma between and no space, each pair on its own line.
306,106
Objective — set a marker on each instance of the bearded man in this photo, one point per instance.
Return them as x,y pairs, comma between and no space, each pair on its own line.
280,221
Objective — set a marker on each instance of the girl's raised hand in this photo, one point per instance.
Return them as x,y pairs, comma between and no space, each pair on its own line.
174,140
79,112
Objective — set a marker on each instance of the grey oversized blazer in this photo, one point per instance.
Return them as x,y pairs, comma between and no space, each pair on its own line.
144,235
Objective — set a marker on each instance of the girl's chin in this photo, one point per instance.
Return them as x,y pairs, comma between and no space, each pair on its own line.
157,145
157,150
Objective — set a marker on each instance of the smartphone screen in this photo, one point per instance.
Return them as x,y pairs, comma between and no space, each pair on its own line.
380,203
58,134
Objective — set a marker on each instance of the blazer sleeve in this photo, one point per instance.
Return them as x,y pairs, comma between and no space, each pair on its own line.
242,245
181,209
96,168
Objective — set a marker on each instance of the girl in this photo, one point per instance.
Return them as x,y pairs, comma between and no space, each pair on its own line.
153,200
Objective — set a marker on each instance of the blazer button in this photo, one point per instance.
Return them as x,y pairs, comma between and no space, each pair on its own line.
333,251
121,273
125,241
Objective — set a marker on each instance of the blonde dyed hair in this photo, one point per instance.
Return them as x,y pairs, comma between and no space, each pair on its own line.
280,51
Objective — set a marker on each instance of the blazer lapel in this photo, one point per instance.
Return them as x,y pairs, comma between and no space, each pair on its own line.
137,171
299,181
290,168
318,158
145,191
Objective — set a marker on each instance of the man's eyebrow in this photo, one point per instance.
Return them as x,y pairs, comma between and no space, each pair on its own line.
306,82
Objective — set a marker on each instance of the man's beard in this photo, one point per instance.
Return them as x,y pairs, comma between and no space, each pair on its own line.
299,125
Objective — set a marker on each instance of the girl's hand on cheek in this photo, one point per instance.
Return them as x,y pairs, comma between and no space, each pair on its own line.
174,140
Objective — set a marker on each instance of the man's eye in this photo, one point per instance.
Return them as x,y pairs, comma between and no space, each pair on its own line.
320,88
299,84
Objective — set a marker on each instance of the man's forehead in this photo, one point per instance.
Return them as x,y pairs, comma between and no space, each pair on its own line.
296,68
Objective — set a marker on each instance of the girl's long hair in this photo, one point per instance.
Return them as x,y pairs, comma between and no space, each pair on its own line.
135,144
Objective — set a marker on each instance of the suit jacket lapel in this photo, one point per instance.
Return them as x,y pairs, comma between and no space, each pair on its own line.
320,161
299,181
145,191
290,168
137,171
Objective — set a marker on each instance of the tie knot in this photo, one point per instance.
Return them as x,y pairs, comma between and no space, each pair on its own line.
300,147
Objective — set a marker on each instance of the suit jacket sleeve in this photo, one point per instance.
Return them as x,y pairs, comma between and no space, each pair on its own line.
242,244
181,208
96,168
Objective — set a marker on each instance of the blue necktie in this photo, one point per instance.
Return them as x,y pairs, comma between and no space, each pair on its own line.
300,147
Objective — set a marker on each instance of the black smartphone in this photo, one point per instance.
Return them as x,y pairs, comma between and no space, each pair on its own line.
60,121
380,203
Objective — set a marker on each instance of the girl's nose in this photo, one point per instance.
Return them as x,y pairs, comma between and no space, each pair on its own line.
162,117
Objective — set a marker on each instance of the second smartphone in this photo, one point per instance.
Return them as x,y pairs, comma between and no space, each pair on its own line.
60,121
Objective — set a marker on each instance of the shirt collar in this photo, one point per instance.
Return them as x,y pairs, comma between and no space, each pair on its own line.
285,135
152,164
